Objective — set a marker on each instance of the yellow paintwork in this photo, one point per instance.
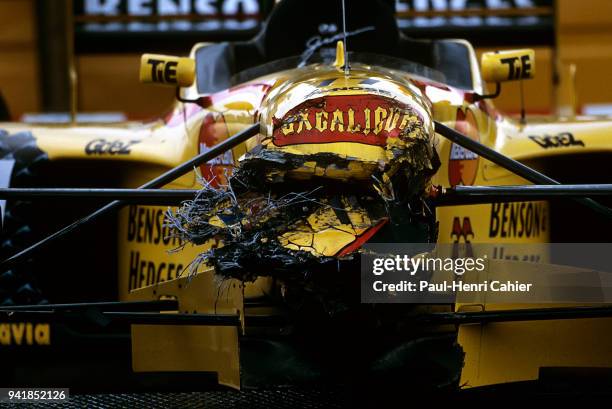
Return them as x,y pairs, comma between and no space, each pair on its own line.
513,65
593,132
519,348
167,70
195,348
339,61
324,235
156,144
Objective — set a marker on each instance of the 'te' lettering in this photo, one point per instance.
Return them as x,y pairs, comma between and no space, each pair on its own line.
164,73
518,71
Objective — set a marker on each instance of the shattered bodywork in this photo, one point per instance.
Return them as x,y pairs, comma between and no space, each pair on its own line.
363,157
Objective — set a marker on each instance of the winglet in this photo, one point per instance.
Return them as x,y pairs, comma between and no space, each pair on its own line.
339,62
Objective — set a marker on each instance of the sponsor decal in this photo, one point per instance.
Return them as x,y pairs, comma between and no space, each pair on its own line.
364,119
24,333
136,20
462,230
510,253
146,225
462,233
163,71
462,163
103,146
518,220
562,140
518,67
146,272
139,8
212,131
417,14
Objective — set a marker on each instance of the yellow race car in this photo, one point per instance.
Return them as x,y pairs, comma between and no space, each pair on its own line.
231,251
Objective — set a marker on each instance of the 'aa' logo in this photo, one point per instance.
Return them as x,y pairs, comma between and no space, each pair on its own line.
462,233
462,163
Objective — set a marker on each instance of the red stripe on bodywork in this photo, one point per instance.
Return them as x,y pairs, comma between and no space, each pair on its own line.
361,240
